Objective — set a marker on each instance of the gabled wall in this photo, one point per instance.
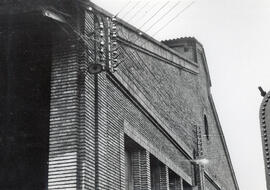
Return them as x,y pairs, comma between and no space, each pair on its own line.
157,98
214,145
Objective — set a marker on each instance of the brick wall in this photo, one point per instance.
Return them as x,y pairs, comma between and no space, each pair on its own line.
64,117
143,131
72,117
176,95
214,146
181,99
157,98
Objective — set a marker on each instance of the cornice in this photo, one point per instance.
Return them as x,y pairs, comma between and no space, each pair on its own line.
193,68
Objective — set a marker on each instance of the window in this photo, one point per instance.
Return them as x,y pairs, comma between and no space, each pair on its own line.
206,127
155,173
131,158
129,175
186,186
174,181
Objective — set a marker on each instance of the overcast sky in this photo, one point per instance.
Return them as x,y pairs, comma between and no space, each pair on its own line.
235,35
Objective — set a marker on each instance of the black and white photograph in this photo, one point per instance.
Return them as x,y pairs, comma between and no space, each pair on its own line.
134,95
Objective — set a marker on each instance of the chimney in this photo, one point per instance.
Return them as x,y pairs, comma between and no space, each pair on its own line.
185,46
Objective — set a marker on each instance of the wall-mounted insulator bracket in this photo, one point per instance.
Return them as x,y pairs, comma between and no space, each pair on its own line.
106,46
101,45
114,53
199,142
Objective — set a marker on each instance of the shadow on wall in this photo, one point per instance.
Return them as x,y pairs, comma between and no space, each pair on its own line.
24,108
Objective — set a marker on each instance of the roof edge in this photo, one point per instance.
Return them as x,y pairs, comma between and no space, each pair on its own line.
142,34
194,41
223,140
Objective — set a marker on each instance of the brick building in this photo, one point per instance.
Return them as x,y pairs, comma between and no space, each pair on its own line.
70,120
264,124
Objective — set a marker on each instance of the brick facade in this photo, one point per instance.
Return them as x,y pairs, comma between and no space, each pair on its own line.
157,99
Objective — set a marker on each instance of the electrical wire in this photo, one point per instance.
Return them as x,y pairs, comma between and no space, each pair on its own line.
143,15
149,20
85,38
183,10
125,6
159,19
138,2
163,16
139,10
154,14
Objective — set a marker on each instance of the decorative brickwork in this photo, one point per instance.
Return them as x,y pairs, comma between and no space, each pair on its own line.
87,90
265,134
156,98
64,117
176,183
141,169
164,177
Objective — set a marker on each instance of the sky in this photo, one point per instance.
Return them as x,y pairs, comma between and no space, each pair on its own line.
235,36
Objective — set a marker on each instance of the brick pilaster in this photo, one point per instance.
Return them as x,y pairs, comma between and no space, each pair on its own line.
145,170
141,169
136,169
199,176
101,132
179,184
164,177
87,89
176,183
122,162
72,115
64,117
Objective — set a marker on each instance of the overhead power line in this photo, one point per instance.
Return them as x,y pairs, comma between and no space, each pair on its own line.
139,10
183,10
144,14
136,4
125,6
154,14
162,16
